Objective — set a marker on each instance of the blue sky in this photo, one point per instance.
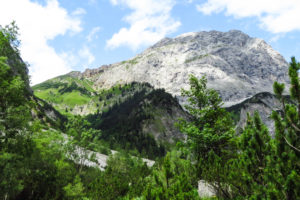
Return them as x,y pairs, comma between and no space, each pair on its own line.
62,35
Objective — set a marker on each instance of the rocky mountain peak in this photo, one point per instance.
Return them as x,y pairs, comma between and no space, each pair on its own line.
236,65
92,72
204,38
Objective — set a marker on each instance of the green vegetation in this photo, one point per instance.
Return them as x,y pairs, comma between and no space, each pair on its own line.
71,98
131,62
29,168
172,178
195,58
251,165
67,94
43,157
210,134
122,123
120,112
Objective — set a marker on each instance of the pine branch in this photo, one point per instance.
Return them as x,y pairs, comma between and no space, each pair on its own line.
293,125
283,105
291,145
289,120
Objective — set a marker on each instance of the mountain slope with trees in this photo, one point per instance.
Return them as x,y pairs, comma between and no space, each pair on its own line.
37,161
133,116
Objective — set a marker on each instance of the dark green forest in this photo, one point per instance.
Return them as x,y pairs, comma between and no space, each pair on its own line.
37,161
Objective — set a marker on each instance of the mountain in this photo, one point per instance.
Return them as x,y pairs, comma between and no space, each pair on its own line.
152,110
39,161
235,64
264,103
130,116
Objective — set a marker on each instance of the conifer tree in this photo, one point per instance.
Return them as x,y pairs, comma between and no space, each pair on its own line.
249,169
286,161
172,179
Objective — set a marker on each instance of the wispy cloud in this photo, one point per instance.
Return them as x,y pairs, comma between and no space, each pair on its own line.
79,11
275,38
93,34
86,54
276,16
149,22
38,24
79,59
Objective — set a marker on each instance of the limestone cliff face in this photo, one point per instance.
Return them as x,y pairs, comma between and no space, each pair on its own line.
264,103
235,64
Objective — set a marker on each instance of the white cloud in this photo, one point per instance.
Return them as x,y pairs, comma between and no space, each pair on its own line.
93,34
38,24
81,58
71,58
276,16
275,38
85,53
149,22
79,11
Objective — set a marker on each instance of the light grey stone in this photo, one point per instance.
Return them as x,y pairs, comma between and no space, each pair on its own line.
235,64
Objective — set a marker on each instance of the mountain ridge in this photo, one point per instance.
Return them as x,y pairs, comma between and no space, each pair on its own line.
236,65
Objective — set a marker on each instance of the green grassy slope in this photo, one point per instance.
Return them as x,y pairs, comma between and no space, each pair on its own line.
66,93
133,116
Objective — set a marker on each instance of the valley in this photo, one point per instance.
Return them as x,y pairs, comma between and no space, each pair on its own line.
204,115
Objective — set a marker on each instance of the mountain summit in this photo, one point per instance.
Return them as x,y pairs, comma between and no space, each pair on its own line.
236,65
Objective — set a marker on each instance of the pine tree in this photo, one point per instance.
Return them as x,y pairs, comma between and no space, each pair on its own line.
247,177
286,161
172,179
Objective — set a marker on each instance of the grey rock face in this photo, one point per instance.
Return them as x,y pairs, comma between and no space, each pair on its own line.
263,103
235,64
205,190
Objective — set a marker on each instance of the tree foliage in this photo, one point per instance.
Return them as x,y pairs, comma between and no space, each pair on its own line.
173,178
287,140
251,165
40,163
210,132
32,165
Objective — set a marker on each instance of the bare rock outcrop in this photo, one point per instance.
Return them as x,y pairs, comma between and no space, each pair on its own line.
235,64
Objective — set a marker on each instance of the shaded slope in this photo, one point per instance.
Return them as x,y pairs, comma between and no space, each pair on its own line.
143,121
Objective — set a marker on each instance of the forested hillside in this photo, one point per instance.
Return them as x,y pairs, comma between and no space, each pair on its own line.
133,116
44,152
